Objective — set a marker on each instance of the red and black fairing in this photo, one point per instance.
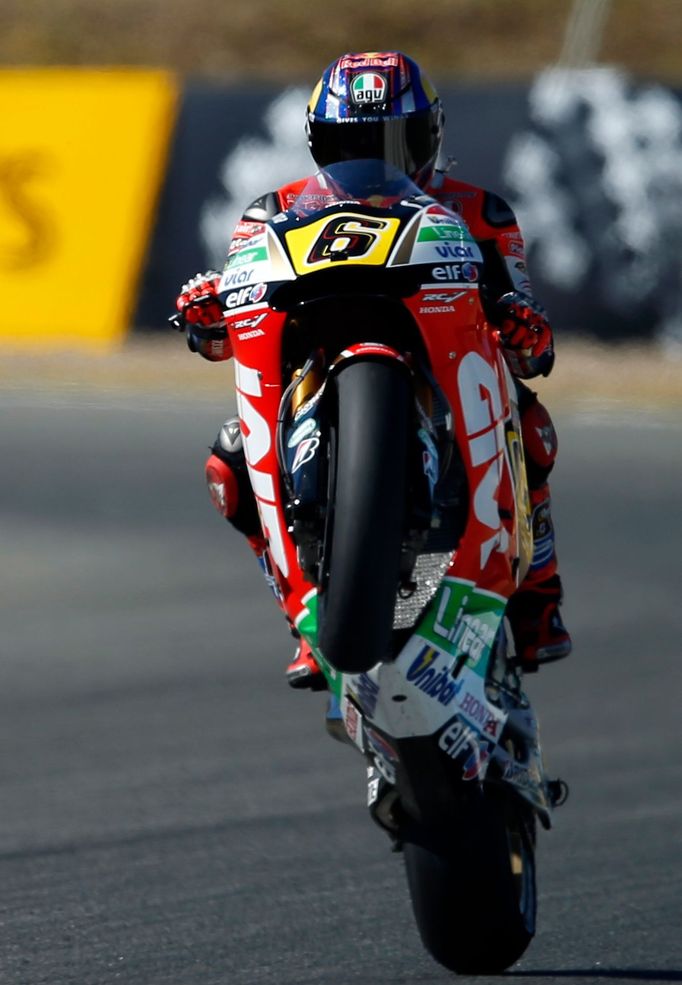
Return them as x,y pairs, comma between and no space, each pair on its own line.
288,335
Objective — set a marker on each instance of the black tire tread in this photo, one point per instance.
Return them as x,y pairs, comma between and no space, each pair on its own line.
374,406
463,893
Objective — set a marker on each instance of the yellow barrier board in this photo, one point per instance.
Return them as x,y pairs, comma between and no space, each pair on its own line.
82,155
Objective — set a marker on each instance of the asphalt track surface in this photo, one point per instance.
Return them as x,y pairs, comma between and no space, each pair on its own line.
171,813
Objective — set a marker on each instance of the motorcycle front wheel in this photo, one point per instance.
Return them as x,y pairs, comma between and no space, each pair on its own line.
473,886
366,513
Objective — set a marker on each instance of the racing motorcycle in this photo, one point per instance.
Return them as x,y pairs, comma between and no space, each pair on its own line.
382,439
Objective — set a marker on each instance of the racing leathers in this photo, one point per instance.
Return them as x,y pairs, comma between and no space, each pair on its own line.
526,337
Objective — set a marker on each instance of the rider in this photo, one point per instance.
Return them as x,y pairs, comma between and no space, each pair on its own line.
380,105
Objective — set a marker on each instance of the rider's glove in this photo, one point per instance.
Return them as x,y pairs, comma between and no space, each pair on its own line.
525,335
200,314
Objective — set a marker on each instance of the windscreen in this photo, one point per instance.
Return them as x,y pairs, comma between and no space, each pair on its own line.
368,182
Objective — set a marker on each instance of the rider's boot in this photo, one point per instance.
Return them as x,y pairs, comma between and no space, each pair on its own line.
533,610
304,672
232,495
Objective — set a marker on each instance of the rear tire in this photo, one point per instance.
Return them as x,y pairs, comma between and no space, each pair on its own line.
473,887
367,504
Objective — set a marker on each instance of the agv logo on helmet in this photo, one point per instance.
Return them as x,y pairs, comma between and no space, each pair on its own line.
369,87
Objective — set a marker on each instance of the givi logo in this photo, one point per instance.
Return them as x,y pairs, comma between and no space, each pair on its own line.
482,405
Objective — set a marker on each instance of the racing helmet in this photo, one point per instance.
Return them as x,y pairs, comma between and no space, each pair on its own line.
378,105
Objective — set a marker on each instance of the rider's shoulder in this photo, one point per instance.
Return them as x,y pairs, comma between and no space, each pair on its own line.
497,212
472,201
442,186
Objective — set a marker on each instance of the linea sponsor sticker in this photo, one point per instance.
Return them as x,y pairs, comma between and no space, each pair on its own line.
248,255
431,234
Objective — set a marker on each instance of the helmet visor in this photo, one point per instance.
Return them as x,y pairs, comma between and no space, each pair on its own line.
408,143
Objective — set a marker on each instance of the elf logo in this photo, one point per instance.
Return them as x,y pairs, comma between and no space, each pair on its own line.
456,272
370,87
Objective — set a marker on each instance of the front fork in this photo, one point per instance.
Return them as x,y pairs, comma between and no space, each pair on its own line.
302,442
305,453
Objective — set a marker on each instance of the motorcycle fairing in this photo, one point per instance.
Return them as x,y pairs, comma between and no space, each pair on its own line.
436,687
441,671
425,697
254,259
472,379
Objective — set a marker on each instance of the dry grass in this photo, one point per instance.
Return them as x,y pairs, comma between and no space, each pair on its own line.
275,40
157,365
611,377
614,377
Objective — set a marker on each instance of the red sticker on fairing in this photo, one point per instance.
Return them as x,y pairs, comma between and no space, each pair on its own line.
246,228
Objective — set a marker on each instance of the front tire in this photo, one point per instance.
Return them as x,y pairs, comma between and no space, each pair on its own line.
473,887
367,513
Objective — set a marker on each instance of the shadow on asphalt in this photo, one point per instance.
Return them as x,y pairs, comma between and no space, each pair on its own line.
618,974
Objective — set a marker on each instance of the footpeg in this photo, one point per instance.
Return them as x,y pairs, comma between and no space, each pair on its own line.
557,791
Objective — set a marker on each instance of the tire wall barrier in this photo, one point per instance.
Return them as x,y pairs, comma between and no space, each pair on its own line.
117,186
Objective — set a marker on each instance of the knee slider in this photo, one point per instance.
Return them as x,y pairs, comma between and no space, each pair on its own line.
228,480
543,563
539,441
223,487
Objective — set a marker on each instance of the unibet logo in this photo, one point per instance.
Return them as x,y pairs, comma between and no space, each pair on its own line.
426,657
369,88
437,684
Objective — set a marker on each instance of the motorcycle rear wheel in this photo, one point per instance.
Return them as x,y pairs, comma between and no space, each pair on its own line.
473,887
367,513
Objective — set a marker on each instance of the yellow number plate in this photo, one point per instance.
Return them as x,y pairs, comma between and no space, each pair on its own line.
346,237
